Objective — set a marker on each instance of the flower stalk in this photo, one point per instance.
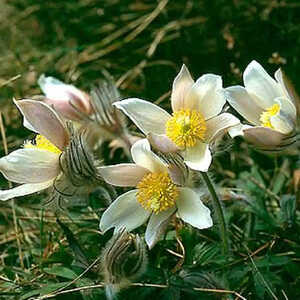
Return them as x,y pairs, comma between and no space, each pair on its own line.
219,211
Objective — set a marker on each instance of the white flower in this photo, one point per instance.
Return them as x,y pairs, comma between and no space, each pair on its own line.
196,119
65,98
157,197
265,103
36,165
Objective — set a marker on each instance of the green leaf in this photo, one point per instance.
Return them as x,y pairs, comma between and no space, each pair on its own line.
61,271
45,290
288,208
52,287
30,294
279,183
269,261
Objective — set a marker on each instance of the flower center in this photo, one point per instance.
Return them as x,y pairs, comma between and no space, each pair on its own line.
186,127
42,143
157,192
266,115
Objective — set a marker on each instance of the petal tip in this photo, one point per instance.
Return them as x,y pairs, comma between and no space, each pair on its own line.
184,71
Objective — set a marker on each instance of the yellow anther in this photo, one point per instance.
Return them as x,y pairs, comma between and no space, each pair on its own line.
186,127
42,143
265,117
157,192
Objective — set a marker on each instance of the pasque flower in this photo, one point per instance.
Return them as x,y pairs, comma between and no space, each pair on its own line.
68,100
267,104
196,120
156,196
58,157
36,165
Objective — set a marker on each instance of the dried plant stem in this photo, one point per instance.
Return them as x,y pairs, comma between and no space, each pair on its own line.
178,239
9,81
137,26
219,211
3,135
148,19
159,36
12,202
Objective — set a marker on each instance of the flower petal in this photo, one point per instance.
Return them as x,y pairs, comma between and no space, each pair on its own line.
198,157
282,123
287,108
144,157
263,137
192,210
44,120
123,174
244,104
177,174
208,95
124,211
279,78
147,116
161,143
24,189
258,82
238,130
30,166
287,86
219,125
157,225
182,83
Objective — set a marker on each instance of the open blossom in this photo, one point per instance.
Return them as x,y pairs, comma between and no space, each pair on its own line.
156,196
58,157
196,120
267,104
68,100
36,165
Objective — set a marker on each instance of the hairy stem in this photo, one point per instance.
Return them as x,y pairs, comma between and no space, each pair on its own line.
219,211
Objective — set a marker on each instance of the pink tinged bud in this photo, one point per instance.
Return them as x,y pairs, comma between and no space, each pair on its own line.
65,98
265,138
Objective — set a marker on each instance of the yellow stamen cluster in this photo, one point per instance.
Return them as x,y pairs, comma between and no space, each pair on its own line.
157,192
42,143
266,115
186,127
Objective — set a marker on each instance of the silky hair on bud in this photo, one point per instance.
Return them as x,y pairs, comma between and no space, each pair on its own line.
79,176
124,259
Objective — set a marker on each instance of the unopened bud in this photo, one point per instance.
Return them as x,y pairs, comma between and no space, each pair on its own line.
68,100
124,259
108,118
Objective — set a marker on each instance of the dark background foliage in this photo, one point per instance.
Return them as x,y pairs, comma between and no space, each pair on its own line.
142,44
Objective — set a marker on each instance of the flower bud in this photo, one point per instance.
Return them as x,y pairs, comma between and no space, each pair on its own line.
69,101
110,122
124,259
